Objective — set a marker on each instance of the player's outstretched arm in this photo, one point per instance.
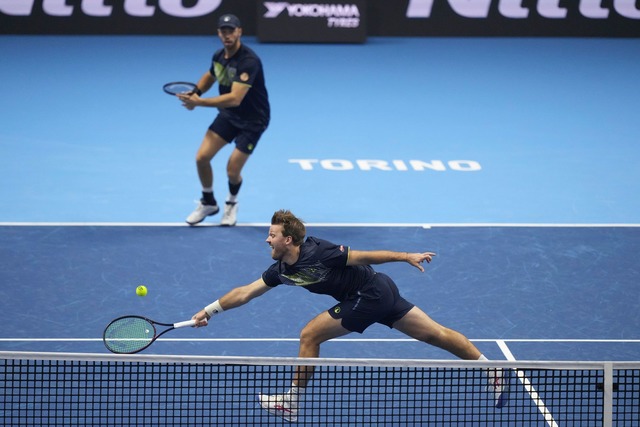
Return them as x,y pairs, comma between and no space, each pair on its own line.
232,299
381,257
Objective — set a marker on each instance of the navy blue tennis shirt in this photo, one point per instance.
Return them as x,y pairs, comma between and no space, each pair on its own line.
322,269
244,67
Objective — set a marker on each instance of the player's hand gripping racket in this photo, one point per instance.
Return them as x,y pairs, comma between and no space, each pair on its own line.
131,334
177,88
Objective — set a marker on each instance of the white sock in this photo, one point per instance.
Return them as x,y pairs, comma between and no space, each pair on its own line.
491,373
296,390
232,198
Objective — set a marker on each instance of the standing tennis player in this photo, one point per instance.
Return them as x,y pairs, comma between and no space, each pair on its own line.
243,116
364,298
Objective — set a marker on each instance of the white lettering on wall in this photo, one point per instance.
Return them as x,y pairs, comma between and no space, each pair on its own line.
514,9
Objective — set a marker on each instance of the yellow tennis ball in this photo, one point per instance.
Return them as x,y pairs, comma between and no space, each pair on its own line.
141,290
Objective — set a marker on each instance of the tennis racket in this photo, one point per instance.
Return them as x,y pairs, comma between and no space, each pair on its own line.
177,88
131,334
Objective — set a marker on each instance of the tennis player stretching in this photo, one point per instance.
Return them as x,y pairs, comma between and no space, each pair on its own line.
365,297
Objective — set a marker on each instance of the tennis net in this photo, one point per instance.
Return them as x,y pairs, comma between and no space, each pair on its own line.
69,389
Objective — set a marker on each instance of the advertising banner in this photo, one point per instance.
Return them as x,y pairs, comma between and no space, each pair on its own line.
144,17
521,18
310,21
327,21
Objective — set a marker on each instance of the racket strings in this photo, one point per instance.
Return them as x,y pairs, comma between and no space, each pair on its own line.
129,335
179,87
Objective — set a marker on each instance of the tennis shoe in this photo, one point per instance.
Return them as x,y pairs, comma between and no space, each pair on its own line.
499,386
281,405
230,215
202,211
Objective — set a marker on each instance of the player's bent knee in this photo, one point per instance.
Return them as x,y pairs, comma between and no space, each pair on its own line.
203,159
309,338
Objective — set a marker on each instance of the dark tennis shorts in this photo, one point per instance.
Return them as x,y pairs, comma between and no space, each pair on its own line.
380,302
246,137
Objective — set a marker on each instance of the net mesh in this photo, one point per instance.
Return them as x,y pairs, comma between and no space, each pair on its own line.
98,390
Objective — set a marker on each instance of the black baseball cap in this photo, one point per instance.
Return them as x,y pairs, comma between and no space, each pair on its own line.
229,20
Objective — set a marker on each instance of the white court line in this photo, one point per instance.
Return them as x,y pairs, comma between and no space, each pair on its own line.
345,340
562,340
548,417
311,224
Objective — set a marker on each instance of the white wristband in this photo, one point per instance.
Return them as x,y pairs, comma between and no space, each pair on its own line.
213,308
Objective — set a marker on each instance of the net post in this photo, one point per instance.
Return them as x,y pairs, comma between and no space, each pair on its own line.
607,401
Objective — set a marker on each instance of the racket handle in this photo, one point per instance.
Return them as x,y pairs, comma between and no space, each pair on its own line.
184,324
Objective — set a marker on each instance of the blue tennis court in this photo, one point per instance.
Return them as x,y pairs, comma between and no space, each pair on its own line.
497,132
513,159
539,293
399,130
